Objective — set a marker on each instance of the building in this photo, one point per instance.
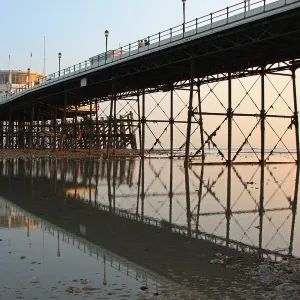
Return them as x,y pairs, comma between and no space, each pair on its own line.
13,80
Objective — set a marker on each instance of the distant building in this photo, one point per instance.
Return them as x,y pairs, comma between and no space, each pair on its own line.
12,80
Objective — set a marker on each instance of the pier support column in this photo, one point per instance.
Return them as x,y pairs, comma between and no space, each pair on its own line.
171,122
139,123
31,126
229,118
75,126
91,128
201,122
188,202
9,130
228,206
296,117
97,144
294,211
261,204
55,127
262,117
115,126
143,123
110,120
190,114
1,135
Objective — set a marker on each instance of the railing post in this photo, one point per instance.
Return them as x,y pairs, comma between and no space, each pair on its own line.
196,25
264,5
211,19
129,49
159,38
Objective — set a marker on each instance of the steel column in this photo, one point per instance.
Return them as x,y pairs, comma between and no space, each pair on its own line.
31,126
139,122
75,125
262,116
201,121
229,115
294,210
228,206
172,122
110,119
143,123
296,118
190,113
261,204
91,129
97,126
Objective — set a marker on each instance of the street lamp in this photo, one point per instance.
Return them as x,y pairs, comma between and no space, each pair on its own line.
106,32
59,58
183,4
28,75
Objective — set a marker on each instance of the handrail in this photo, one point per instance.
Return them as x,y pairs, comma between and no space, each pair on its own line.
179,32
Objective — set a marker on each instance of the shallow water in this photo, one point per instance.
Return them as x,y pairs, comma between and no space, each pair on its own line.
129,224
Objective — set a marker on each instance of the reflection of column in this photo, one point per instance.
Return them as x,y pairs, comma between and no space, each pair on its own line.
97,182
138,192
104,273
108,184
171,191
90,181
261,204
294,211
115,166
228,210
143,188
58,247
188,201
199,198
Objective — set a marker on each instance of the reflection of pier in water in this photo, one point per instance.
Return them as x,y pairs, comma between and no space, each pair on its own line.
109,259
142,193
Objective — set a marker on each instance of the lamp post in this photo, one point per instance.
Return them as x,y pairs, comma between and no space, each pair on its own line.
183,8
59,58
106,32
28,75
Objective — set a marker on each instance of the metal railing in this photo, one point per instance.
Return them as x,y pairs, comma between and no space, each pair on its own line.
228,15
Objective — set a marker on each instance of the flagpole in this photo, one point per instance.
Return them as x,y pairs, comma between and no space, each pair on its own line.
44,71
30,60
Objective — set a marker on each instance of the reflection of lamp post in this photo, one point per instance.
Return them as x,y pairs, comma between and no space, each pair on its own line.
106,32
59,57
58,249
183,8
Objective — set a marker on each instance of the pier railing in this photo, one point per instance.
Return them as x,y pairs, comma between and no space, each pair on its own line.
229,15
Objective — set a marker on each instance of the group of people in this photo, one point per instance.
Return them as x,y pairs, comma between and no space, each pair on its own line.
143,43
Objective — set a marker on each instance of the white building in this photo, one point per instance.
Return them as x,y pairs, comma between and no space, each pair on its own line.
12,80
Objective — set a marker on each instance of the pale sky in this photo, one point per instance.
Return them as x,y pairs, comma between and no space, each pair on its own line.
76,28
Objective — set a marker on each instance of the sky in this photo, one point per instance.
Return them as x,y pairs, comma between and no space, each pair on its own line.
76,28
